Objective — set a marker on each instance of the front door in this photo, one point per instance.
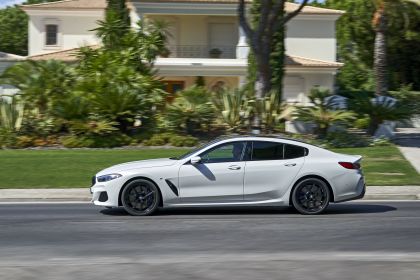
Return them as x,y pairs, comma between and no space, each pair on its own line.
217,179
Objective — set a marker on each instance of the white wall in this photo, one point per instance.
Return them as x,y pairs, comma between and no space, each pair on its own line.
193,29
73,32
231,82
296,87
311,38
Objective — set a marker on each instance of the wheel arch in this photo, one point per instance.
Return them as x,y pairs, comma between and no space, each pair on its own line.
136,178
330,189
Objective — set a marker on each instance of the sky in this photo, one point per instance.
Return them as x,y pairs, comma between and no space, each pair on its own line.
4,3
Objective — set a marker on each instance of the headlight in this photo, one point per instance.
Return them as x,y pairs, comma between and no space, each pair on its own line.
109,177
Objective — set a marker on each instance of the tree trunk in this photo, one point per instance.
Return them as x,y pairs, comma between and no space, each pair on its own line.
380,63
262,85
269,18
373,126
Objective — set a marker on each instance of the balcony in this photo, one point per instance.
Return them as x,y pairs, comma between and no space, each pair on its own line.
200,51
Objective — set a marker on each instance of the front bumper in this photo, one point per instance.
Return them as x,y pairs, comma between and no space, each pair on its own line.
107,193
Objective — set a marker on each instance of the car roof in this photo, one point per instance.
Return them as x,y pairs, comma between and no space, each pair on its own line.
258,137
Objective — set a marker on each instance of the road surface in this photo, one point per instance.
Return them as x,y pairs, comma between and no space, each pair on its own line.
357,240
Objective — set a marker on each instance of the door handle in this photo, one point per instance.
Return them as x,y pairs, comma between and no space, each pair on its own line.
234,167
290,164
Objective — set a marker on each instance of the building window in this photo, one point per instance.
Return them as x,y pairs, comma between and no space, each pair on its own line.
51,34
172,87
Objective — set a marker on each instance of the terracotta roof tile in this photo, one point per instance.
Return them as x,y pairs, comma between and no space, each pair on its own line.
68,4
101,4
289,6
309,62
10,57
64,55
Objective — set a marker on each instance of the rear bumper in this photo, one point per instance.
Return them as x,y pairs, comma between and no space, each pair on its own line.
358,194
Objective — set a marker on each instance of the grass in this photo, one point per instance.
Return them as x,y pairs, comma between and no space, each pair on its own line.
74,168
385,166
65,168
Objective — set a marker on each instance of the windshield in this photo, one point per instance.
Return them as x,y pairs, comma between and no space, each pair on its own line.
193,151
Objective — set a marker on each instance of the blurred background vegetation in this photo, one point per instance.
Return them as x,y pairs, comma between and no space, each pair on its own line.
112,97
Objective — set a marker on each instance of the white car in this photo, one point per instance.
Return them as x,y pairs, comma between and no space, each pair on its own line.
234,171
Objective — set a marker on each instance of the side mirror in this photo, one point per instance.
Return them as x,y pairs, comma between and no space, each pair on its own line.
195,160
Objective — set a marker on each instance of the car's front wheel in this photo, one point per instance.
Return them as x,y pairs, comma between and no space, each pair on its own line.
140,197
311,196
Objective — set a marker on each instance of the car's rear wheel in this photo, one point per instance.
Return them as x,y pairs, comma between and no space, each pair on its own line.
140,197
311,196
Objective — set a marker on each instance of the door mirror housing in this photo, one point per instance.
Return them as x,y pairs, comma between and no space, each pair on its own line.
195,160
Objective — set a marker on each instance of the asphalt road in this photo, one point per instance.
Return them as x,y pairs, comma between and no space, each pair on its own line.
359,240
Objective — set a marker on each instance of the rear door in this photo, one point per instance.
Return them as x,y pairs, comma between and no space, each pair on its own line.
271,169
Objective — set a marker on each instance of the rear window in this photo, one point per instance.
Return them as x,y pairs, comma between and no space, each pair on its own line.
292,151
265,150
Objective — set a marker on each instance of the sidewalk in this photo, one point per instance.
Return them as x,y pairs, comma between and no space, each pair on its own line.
83,194
412,154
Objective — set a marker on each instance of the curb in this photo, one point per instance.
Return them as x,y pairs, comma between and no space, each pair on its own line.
83,195
44,195
391,197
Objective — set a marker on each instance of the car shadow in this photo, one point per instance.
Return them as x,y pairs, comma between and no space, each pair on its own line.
333,209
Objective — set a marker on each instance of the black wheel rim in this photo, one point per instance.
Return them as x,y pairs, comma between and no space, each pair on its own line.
312,196
140,197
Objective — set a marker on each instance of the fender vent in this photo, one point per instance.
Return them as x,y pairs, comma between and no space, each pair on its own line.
172,186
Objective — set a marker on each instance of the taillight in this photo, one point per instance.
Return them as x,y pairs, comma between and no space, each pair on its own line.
350,165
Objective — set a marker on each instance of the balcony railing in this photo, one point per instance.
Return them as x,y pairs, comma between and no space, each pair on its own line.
197,51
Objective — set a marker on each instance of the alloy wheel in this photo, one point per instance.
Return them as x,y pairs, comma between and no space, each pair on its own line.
140,197
311,196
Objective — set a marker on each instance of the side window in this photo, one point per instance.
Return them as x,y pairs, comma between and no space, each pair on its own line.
263,150
292,151
229,152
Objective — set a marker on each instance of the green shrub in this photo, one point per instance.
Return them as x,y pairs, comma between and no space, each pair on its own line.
142,136
156,140
73,141
362,123
7,138
183,141
346,140
24,141
191,112
323,114
380,142
172,139
109,141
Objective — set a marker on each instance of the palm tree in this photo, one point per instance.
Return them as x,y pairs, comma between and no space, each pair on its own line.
380,56
235,108
379,112
191,111
322,113
41,83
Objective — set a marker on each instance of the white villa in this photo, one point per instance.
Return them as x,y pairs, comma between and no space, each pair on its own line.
206,40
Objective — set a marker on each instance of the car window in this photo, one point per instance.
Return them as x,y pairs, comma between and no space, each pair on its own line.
228,152
292,151
264,150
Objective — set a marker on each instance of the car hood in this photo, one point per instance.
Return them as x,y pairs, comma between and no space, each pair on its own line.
138,164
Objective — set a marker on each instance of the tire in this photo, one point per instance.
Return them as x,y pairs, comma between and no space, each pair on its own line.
311,196
140,197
